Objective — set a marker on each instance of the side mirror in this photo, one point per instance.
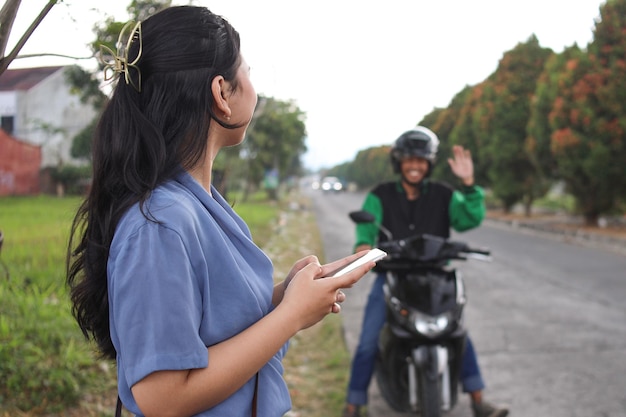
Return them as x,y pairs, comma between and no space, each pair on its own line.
362,217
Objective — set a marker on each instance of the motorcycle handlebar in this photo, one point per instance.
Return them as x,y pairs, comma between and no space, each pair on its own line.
424,247
428,248
486,257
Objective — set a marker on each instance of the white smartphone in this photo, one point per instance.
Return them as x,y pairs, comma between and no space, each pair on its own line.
373,255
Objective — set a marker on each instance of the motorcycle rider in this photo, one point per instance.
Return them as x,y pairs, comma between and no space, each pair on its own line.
415,204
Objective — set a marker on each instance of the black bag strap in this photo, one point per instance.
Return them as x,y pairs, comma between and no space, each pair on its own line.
254,397
118,407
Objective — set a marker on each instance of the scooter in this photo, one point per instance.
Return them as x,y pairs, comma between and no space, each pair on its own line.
421,344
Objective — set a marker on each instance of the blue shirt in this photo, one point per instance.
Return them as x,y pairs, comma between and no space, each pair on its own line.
189,280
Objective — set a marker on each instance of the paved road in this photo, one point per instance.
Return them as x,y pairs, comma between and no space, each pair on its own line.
548,318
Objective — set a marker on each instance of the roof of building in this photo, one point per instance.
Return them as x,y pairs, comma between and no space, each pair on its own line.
5,137
25,78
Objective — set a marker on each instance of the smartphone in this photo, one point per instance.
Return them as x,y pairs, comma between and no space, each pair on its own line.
373,255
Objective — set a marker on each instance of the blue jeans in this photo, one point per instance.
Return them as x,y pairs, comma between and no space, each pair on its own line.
365,356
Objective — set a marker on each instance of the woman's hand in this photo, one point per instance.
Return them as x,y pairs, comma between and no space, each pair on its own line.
279,289
311,259
312,294
327,270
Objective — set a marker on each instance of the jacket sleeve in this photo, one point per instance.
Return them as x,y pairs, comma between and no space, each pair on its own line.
467,208
367,233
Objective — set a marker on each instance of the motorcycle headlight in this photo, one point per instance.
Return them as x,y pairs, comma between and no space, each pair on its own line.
430,326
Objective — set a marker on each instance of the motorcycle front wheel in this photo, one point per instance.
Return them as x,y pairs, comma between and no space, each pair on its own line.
392,377
429,386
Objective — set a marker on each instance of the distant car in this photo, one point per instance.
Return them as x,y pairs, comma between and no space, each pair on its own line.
331,184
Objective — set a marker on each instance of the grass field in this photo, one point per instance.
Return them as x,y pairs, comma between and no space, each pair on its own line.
317,364
47,368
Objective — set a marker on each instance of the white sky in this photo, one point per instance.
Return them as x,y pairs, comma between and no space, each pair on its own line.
363,71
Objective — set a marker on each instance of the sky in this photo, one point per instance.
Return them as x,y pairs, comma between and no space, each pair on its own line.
363,71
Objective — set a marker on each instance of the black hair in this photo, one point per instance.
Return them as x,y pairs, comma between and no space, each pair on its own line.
151,128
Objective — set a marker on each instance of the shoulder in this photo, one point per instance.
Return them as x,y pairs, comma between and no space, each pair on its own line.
385,188
170,206
172,199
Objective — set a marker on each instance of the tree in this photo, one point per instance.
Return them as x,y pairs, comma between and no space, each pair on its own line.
537,144
342,171
471,129
510,171
370,166
443,122
588,118
275,140
107,32
7,18
609,49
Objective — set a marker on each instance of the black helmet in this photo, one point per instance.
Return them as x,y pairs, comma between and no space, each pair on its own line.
419,141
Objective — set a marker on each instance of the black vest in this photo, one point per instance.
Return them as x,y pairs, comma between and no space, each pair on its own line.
429,213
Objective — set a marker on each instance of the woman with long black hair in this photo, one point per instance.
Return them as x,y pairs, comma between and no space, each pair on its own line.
164,275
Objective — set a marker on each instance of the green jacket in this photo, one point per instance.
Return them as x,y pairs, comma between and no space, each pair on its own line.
437,209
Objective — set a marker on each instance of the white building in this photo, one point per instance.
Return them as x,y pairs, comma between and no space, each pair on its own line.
37,106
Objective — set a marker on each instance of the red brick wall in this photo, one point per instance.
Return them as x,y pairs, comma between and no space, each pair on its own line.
19,166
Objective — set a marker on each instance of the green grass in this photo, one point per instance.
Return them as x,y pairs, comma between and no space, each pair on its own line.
45,364
43,358
556,203
317,364
47,368
259,214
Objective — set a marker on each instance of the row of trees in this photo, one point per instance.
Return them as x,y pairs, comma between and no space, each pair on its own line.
541,117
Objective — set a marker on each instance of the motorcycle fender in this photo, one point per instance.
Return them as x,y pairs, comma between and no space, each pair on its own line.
433,360
433,357
426,358
442,359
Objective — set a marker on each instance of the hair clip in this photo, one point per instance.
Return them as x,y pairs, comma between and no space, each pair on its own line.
118,62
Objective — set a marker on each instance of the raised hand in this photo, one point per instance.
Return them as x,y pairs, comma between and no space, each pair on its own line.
462,165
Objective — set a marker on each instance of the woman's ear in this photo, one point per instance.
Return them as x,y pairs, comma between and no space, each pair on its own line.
220,89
